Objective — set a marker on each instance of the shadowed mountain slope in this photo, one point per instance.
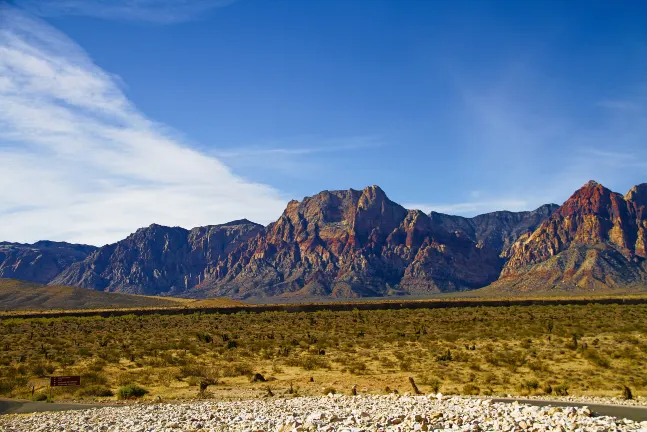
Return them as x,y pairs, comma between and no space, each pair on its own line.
157,259
17,295
39,262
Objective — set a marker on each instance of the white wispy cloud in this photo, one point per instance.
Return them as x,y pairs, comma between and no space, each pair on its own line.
297,158
472,208
79,162
614,158
314,145
159,11
535,141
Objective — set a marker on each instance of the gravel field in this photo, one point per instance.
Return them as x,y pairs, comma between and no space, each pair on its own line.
328,413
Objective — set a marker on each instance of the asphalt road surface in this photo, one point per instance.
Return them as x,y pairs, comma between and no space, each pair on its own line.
12,406
635,413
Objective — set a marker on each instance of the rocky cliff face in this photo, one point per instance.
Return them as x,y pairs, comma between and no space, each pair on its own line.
348,244
158,259
595,240
39,262
360,243
498,230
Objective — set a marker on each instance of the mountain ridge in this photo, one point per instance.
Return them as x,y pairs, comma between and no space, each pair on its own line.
340,243
356,243
41,261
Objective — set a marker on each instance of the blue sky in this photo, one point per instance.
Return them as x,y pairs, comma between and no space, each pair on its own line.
122,113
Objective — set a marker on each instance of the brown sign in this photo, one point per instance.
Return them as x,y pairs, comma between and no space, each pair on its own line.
64,381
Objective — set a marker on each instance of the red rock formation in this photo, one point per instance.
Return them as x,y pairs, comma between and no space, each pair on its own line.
352,243
337,243
595,239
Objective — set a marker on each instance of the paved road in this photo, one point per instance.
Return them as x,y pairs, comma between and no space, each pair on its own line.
636,413
8,406
12,406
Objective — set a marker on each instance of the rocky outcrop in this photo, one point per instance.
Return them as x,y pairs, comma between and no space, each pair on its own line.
337,243
39,262
354,243
348,244
157,259
498,230
595,240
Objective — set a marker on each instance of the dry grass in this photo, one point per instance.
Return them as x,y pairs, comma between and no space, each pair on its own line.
18,297
21,295
593,349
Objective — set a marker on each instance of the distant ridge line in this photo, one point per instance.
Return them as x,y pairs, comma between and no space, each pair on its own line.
333,307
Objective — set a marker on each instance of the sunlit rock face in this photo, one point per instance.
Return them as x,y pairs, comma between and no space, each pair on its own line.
355,243
595,240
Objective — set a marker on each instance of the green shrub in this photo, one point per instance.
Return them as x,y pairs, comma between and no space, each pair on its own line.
594,357
38,369
329,390
204,337
39,397
131,391
357,368
471,389
189,370
530,385
432,382
561,390
84,352
447,356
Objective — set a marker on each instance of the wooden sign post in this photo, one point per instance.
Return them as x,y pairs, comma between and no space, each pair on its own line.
63,381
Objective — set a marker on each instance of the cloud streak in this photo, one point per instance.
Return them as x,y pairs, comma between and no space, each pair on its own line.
533,141
321,146
79,162
157,11
472,208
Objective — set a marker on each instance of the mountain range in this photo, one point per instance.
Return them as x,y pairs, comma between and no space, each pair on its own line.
352,243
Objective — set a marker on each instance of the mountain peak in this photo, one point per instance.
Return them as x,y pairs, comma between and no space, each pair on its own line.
593,216
637,193
592,198
375,189
244,221
156,230
591,187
